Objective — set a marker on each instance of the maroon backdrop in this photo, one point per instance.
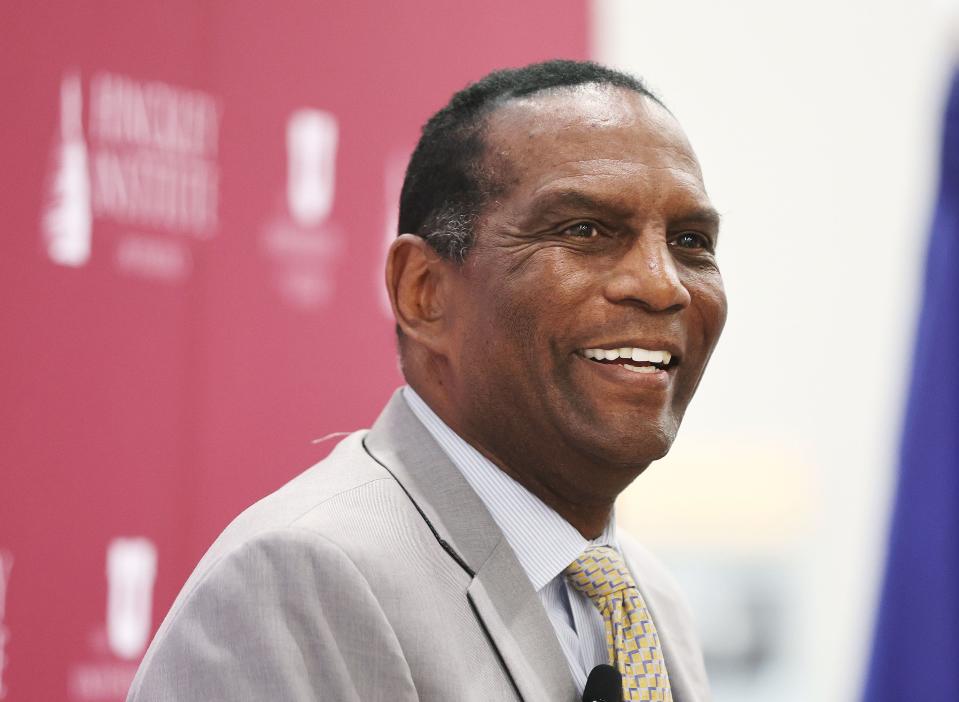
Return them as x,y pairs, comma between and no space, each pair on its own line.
197,197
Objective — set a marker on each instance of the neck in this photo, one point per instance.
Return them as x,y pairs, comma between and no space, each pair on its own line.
582,488
588,513
586,505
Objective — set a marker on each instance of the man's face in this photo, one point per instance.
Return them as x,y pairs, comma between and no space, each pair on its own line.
602,240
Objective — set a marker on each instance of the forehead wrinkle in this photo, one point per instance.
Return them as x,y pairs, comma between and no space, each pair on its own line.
684,154
676,160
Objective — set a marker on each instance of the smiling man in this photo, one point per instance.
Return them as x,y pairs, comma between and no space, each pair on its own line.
557,298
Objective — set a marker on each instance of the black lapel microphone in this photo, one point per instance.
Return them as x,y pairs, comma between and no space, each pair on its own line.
604,684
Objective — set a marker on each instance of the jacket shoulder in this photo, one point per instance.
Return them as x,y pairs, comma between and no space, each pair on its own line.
288,512
348,468
279,578
283,613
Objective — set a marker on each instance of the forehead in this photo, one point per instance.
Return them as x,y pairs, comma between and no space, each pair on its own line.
590,131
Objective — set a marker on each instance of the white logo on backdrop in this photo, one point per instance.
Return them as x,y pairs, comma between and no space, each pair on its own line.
6,567
131,569
311,137
131,572
301,240
148,164
68,221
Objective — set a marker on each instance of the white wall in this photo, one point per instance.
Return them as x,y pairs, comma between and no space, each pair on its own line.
817,127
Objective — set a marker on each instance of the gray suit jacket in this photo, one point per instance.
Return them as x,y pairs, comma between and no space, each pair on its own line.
378,574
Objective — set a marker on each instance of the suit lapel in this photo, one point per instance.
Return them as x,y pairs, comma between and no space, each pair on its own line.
513,616
500,592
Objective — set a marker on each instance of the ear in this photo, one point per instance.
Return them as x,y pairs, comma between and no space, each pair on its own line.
417,282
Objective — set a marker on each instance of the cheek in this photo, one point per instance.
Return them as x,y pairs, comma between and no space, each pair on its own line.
493,330
709,304
532,305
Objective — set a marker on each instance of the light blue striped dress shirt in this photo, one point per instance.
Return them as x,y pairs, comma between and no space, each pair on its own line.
543,541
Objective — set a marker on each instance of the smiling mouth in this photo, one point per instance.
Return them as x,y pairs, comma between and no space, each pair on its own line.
633,359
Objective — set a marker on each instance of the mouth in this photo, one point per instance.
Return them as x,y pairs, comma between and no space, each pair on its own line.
632,358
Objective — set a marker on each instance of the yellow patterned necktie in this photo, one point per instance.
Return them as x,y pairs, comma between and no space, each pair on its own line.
631,638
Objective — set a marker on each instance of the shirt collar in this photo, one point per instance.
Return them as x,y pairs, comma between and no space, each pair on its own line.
544,542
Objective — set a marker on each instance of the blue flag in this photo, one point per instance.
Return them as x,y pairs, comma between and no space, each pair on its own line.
916,649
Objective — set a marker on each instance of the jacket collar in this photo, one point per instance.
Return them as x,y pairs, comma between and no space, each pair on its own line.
500,593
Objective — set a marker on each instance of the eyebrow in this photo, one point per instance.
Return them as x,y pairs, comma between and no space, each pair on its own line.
576,199
579,199
707,215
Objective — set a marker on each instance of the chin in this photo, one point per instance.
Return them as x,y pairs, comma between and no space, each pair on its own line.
634,448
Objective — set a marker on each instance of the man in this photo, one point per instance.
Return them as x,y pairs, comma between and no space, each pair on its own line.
557,298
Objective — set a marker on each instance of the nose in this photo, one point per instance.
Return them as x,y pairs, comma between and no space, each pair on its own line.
647,275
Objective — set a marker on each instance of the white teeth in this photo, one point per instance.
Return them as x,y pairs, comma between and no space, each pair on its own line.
629,353
641,369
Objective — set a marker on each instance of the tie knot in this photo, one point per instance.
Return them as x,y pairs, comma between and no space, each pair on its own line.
599,572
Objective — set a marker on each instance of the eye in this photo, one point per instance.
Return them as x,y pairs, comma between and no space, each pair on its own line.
582,230
693,240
